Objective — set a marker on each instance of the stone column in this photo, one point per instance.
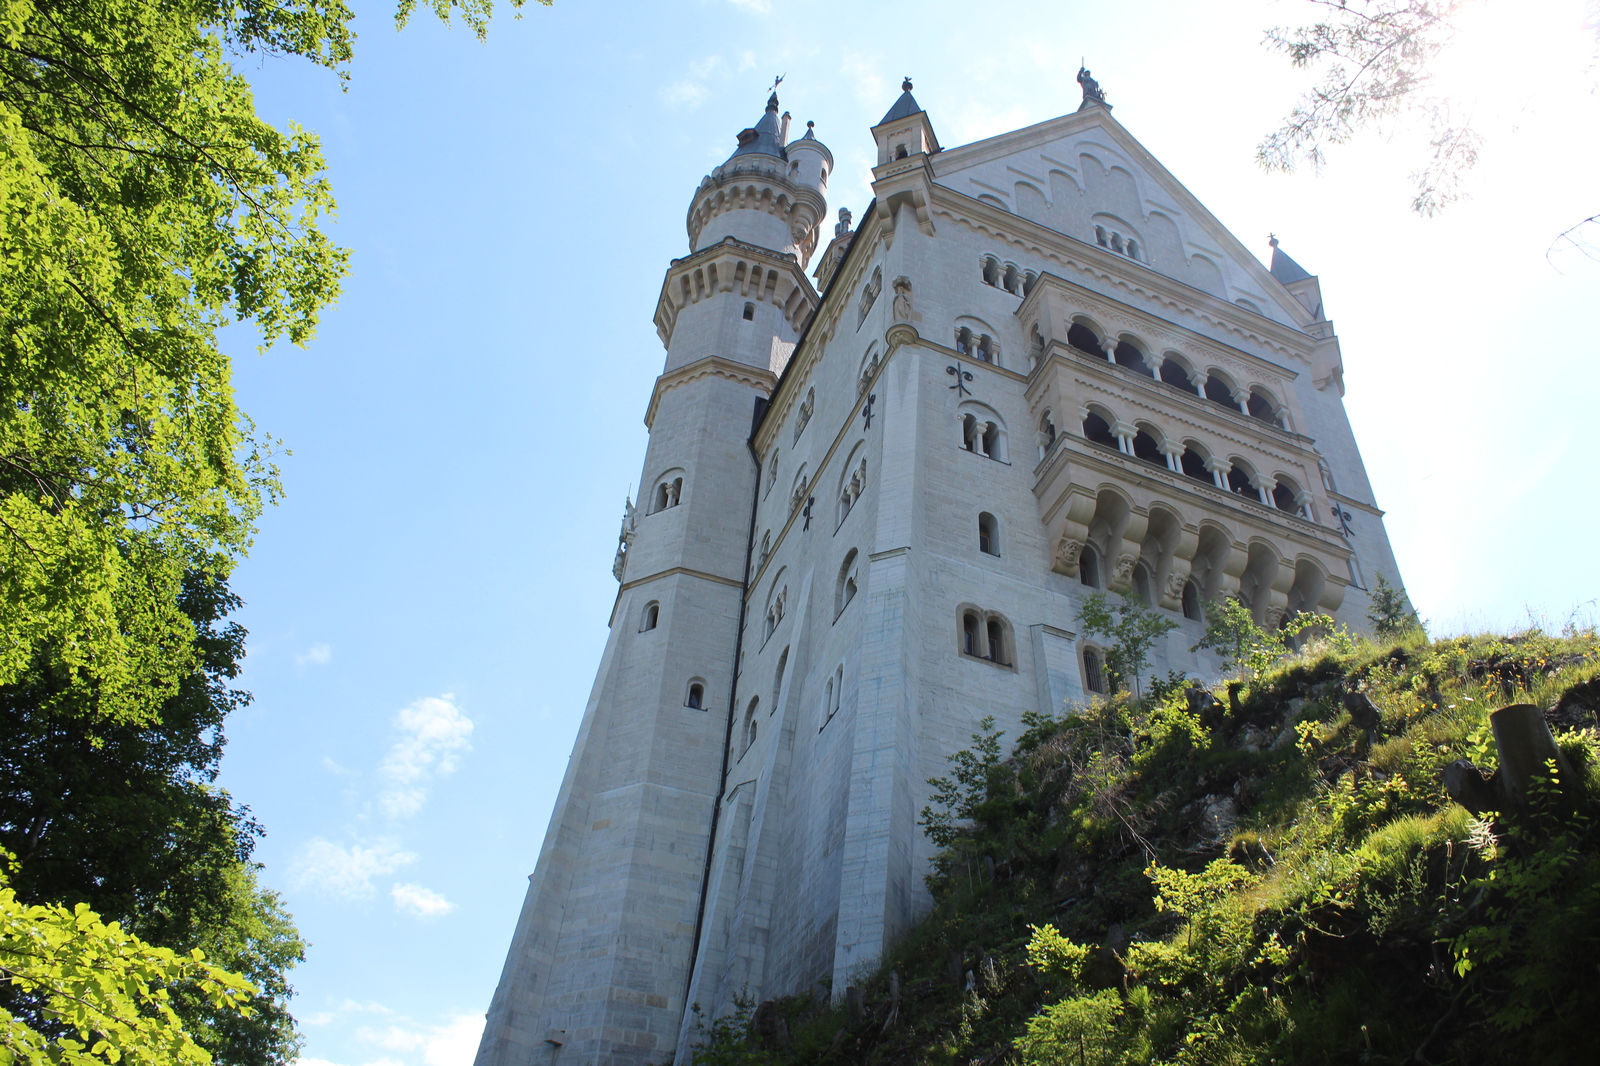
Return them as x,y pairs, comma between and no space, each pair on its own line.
1125,434
1172,449
1219,468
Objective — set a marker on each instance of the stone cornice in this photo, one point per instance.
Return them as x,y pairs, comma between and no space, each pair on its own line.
670,572
1119,272
739,188
711,366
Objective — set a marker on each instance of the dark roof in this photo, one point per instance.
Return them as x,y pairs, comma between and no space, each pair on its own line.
1286,270
762,138
904,107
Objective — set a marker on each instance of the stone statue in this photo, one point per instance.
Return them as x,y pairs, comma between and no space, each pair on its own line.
843,226
624,540
902,299
1093,95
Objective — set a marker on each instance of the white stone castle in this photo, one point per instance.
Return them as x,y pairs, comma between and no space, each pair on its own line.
873,505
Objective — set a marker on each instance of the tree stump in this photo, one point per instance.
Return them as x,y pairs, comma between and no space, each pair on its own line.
1468,787
855,1001
1526,746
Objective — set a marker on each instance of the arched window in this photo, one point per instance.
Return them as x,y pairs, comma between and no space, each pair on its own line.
749,312
1047,434
970,640
1133,248
1130,357
1239,483
994,649
750,724
852,485
844,589
963,341
1084,339
991,271
1098,431
1286,496
1094,676
1191,601
802,418
1145,447
651,616
984,352
900,151
772,471
668,494
1217,391
1261,408
697,696
1174,373
1142,583
1089,566
988,534
982,435
1194,466
832,693
777,681
1101,237
1010,281
766,549
1029,280
801,491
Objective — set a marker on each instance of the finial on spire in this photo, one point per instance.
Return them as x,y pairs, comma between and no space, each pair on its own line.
811,131
1272,239
772,102
906,85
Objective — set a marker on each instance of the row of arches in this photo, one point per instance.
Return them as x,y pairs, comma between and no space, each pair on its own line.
1194,460
1007,276
1210,383
1156,557
981,431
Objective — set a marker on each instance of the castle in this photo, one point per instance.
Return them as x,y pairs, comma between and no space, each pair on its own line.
873,501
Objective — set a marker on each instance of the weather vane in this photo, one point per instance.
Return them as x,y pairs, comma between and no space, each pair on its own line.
777,82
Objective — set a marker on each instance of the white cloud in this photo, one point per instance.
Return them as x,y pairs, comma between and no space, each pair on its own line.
433,731
867,78
684,94
316,655
347,873
422,902
452,1044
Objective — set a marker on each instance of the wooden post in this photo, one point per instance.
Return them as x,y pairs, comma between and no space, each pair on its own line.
1525,745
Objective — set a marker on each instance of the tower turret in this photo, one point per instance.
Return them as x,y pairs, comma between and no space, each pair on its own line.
603,949
761,195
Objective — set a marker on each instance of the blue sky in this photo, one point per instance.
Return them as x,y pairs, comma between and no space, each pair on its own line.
428,604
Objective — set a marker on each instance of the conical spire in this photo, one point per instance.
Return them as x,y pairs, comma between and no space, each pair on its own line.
905,106
764,138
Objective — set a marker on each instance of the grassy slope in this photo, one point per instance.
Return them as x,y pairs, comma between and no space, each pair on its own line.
1321,898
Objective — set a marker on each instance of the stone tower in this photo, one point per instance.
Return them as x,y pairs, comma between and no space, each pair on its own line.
1038,371
600,959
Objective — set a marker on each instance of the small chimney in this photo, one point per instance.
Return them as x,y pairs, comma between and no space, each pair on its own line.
783,129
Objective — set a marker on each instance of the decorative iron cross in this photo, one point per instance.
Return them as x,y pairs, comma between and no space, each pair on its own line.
962,376
867,410
1344,520
807,511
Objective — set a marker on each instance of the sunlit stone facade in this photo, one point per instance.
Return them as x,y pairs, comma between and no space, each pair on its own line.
1037,369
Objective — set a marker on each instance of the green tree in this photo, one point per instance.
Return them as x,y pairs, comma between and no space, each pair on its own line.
103,995
124,815
1232,633
145,206
1389,612
1131,626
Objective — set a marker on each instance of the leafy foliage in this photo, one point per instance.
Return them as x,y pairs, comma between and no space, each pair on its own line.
144,206
123,815
103,995
1258,880
1132,627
